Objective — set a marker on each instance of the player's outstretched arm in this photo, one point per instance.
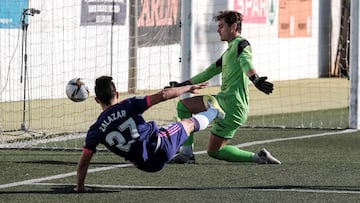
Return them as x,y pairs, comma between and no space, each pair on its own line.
172,92
82,168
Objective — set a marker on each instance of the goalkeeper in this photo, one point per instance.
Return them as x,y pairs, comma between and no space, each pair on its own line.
236,67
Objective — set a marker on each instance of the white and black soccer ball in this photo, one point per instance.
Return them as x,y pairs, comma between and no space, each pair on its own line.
76,90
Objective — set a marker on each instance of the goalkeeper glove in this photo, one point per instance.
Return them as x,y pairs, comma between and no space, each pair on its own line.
176,84
262,84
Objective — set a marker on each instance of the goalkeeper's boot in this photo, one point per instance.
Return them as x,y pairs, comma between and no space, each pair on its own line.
211,102
181,158
267,158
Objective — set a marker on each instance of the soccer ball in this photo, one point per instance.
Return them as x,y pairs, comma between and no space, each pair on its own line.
76,90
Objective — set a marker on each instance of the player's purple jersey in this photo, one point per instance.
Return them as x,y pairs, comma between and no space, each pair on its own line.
123,130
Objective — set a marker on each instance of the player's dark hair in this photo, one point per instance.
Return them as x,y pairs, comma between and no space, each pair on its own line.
105,89
231,17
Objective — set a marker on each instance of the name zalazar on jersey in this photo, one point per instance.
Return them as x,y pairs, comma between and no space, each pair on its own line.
112,117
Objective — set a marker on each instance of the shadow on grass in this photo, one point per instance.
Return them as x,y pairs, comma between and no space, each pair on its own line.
68,189
54,162
255,188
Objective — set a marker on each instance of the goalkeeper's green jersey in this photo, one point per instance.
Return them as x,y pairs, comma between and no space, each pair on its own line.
234,63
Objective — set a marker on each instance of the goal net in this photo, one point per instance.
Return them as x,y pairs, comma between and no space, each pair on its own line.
138,44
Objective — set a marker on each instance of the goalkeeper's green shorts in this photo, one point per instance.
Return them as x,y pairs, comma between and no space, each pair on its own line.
234,118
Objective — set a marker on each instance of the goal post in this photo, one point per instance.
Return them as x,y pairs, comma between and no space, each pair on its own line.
354,119
187,36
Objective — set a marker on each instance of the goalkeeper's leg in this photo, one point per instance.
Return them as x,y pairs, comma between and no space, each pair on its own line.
233,154
222,131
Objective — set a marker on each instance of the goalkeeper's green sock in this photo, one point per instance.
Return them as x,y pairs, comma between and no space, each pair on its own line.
183,112
233,154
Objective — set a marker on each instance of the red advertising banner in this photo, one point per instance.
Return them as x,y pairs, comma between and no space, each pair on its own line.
295,18
254,11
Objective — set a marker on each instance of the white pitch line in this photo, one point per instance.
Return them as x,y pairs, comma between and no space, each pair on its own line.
40,141
64,175
37,180
248,144
295,138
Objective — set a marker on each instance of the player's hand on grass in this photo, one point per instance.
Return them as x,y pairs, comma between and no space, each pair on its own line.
82,189
261,84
